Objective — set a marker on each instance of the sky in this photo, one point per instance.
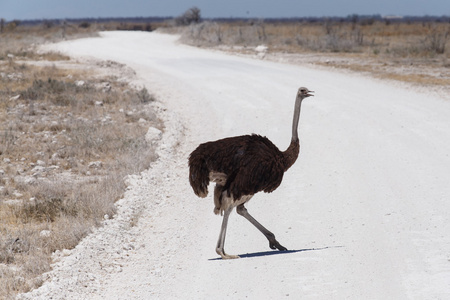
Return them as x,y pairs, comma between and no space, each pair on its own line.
59,9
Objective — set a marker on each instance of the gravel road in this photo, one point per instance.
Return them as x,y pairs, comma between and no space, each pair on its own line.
364,211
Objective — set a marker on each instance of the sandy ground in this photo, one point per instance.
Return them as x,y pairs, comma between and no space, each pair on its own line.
364,211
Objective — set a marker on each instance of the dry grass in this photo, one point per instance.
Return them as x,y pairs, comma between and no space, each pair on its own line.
381,48
399,39
67,140
21,41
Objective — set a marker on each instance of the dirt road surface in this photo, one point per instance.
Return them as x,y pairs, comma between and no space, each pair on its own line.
364,212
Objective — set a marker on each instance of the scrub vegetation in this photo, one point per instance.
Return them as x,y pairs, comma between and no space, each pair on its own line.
68,139
415,50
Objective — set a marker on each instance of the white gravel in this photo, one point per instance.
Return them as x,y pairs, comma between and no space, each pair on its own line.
364,210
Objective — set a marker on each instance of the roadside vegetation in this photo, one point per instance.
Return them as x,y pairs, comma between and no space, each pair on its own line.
415,50
68,139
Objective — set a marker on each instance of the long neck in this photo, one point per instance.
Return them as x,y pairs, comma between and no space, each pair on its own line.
297,108
291,153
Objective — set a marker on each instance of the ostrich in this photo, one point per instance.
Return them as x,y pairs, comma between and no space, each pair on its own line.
242,166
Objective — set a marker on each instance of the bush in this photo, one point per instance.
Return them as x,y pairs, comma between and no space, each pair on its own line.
84,25
144,96
191,16
436,41
66,145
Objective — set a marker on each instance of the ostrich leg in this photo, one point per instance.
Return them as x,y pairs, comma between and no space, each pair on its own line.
223,231
273,243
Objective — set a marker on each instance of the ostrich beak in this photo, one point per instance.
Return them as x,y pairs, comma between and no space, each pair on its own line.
308,93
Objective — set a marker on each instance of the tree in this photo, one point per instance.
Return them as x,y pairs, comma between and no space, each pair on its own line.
192,15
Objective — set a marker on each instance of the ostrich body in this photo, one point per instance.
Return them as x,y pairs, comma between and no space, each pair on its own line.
242,166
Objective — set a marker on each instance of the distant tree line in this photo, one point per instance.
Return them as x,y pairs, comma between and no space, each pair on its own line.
193,16
93,20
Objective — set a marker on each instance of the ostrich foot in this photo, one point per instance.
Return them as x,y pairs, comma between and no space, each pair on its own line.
222,253
276,245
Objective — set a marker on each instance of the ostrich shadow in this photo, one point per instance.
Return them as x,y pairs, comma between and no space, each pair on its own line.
276,252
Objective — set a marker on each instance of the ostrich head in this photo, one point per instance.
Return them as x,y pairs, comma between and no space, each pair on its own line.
304,93
301,94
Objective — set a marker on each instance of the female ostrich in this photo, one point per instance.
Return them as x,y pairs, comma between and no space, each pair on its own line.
242,166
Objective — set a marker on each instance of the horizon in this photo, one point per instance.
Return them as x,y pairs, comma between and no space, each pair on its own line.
399,17
218,9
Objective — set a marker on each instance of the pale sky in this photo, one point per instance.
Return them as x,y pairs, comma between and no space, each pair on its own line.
58,9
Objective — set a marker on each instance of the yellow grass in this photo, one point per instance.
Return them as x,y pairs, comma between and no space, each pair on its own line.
51,129
367,45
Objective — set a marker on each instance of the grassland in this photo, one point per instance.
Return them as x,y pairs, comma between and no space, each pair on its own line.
414,52
68,138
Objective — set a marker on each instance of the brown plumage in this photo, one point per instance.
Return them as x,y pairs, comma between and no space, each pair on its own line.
252,164
241,166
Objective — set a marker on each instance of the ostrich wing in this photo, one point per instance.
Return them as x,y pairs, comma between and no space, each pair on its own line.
251,163
261,168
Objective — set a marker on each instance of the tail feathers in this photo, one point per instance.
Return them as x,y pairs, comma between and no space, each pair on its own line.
198,176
